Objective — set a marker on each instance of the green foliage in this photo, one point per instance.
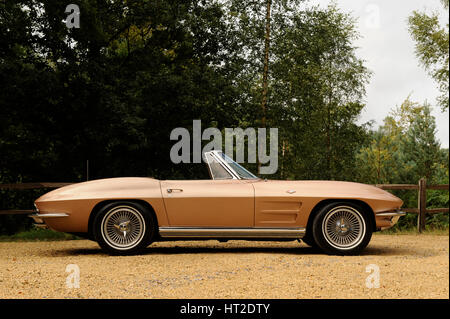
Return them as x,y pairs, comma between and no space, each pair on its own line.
38,234
413,231
377,162
112,91
404,150
316,95
419,146
432,48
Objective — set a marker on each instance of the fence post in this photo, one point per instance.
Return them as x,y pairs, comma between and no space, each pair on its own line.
422,205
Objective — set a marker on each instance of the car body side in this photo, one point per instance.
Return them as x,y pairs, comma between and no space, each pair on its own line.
251,203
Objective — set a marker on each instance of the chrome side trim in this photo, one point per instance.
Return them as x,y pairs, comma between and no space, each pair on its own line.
171,232
50,215
391,217
391,214
393,221
39,218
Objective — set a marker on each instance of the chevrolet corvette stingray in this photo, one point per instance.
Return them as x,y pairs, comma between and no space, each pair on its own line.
125,215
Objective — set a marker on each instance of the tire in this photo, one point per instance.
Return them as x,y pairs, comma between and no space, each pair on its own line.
342,228
124,228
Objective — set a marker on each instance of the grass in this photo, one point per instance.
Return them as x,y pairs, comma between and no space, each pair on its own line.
38,234
413,231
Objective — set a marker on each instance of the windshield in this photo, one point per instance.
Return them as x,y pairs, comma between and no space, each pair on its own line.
216,170
241,171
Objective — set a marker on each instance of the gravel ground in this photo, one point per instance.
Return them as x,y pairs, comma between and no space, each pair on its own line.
410,266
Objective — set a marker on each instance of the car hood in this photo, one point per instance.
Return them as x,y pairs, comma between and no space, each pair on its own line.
329,189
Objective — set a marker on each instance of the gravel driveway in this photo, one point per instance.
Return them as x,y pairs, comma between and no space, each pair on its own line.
410,266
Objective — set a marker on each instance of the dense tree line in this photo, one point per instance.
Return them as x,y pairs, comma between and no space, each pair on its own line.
403,150
112,90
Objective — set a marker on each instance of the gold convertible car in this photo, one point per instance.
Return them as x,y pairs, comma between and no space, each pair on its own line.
125,215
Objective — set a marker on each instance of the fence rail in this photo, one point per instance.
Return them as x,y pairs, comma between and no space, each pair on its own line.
16,212
421,209
421,187
33,185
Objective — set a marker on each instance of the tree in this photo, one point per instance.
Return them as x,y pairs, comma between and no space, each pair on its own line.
266,68
420,147
377,162
113,90
432,48
317,87
404,149
107,92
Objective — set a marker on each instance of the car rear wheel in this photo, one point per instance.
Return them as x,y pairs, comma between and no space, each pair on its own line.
342,228
123,228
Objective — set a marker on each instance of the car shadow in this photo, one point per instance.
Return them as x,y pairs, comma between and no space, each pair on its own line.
299,251
195,250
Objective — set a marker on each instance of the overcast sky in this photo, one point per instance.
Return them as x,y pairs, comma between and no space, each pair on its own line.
388,50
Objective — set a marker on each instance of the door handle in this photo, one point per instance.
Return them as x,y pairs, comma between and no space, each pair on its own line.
171,190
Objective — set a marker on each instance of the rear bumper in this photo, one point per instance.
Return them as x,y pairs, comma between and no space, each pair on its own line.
39,219
385,220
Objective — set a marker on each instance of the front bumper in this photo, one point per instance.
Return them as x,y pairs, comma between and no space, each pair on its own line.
39,219
385,220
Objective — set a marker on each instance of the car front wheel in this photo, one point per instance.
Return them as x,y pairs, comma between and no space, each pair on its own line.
124,228
342,228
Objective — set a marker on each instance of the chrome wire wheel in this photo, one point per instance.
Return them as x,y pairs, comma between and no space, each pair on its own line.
344,227
123,227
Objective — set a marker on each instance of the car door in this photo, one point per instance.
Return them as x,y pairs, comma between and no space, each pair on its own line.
209,203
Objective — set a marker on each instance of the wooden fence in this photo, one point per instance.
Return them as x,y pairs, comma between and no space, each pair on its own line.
22,186
421,209
421,187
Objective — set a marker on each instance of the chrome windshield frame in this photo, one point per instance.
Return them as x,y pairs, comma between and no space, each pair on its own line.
217,156
219,159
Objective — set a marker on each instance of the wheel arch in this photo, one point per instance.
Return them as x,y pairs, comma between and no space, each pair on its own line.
325,202
103,203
